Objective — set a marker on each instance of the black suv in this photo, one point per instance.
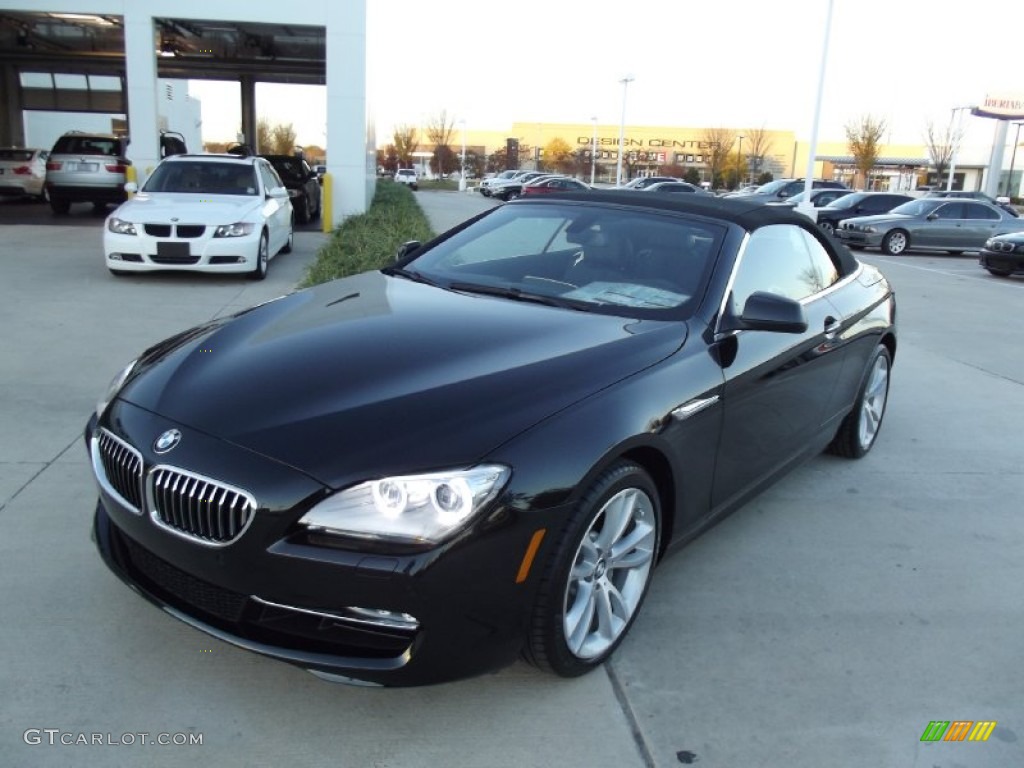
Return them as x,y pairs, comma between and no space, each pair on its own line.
302,184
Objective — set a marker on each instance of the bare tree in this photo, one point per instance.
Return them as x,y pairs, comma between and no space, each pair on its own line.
718,143
865,139
760,144
406,142
942,144
439,130
264,142
283,139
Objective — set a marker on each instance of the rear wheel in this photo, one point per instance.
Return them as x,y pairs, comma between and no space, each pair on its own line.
896,242
599,575
60,207
302,211
859,429
999,272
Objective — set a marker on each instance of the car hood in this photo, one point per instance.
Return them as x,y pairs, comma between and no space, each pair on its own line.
377,374
882,218
157,207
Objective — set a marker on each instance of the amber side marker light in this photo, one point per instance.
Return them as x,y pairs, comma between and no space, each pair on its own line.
531,552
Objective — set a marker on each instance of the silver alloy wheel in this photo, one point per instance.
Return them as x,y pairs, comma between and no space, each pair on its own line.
872,408
609,573
896,243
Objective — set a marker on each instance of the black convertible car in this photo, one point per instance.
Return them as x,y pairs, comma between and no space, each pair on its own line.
482,451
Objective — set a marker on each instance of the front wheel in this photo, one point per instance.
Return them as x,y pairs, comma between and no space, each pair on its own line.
60,207
999,272
896,242
599,575
259,272
860,428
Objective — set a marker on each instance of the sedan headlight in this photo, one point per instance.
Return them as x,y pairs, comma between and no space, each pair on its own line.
238,229
120,226
114,387
422,509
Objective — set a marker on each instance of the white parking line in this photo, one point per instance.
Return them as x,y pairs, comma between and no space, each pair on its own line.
980,274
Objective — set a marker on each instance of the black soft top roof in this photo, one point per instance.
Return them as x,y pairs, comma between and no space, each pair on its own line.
747,214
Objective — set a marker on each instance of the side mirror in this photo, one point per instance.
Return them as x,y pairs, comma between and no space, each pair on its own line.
783,195
277,192
407,248
766,312
932,216
131,187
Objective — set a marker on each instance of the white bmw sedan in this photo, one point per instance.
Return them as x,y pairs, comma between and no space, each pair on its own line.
206,213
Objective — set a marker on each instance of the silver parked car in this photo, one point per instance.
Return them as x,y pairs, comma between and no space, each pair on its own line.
931,223
22,171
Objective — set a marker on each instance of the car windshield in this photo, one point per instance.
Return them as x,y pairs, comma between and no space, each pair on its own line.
204,178
918,207
630,262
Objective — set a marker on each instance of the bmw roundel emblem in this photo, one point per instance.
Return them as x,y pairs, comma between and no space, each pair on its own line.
167,441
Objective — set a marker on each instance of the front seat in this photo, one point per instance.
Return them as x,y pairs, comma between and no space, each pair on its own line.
602,258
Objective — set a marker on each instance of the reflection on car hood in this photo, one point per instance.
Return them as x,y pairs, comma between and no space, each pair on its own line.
376,374
881,218
158,207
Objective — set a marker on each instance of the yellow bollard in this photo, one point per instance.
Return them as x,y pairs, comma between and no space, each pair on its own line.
326,208
130,178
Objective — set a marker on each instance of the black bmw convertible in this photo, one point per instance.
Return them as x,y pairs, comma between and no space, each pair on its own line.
481,452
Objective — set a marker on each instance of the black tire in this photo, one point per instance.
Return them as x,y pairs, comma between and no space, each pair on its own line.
302,212
414,187
315,215
581,579
859,429
999,272
896,242
287,247
511,196
60,207
259,272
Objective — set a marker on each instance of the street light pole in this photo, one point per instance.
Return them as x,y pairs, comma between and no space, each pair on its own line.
957,138
593,152
739,161
622,129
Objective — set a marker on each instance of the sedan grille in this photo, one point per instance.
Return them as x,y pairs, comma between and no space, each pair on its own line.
122,468
158,230
197,507
190,230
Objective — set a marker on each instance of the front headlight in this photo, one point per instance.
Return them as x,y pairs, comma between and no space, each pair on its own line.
238,229
120,226
422,509
114,387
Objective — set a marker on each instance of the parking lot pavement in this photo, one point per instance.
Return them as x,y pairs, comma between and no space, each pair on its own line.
823,624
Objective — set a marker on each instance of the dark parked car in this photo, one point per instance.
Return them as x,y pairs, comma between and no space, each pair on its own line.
510,189
643,182
1003,255
930,223
419,473
548,185
858,204
302,184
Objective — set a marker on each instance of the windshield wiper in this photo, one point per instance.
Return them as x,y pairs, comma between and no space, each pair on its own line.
411,274
517,294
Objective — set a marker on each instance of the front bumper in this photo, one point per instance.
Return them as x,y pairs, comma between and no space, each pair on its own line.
1005,262
205,253
311,600
863,239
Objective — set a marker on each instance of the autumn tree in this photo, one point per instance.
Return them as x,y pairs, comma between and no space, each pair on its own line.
558,155
439,130
405,142
264,142
282,139
718,143
759,143
864,139
942,144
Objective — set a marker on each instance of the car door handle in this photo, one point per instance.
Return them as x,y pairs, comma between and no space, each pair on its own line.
832,327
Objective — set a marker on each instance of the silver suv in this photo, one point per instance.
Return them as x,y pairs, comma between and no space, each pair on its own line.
86,168
90,168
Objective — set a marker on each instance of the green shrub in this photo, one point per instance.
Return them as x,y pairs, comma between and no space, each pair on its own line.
370,240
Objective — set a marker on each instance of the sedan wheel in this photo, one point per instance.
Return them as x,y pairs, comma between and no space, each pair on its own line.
287,247
895,242
999,272
302,212
259,272
859,429
599,575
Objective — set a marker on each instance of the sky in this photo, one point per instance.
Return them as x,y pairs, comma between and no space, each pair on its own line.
698,64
